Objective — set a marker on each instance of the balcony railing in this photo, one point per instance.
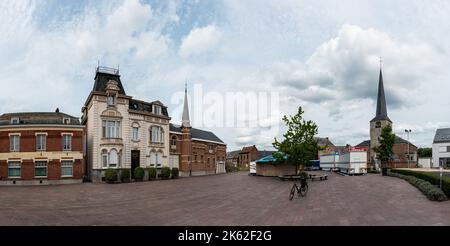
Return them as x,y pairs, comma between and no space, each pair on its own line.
108,70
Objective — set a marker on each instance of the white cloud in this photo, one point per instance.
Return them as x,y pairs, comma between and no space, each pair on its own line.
199,41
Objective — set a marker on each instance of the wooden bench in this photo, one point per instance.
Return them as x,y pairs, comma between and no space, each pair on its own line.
289,177
320,177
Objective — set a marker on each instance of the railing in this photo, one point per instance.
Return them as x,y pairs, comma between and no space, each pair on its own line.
108,70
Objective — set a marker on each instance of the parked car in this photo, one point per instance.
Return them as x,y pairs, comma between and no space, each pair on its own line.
252,171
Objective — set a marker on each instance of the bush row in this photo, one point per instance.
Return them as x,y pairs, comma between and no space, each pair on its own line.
432,177
432,192
113,175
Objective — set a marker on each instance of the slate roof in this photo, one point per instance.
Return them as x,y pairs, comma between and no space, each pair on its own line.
442,135
233,154
381,113
101,79
197,133
398,140
324,141
38,118
264,153
146,106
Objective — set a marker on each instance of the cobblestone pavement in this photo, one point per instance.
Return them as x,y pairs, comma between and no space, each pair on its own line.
226,199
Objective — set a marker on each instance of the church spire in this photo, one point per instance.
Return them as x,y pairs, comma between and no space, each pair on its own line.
185,122
381,113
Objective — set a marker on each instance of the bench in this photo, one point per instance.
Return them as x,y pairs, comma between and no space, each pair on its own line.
320,177
289,177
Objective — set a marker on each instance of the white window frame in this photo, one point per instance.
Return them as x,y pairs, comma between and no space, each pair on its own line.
156,134
71,168
109,98
111,129
15,167
14,145
46,168
110,164
15,120
134,133
66,146
157,109
104,158
43,144
66,121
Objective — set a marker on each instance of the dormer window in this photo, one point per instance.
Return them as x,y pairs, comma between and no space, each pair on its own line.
15,121
157,109
66,121
111,100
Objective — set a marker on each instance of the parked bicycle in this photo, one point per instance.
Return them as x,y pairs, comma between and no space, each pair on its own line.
301,191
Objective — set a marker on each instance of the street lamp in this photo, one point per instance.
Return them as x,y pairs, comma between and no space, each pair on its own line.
408,132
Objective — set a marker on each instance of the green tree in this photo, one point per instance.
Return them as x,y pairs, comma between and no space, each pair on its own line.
424,152
299,145
384,150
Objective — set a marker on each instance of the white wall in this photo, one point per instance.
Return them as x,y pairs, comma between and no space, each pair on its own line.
425,162
439,153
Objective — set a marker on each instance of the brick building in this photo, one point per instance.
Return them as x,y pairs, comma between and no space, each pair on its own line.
402,149
40,148
242,158
197,151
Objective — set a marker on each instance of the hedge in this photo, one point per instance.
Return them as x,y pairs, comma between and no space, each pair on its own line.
175,173
432,177
432,192
151,173
139,173
165,172
111,175
125,175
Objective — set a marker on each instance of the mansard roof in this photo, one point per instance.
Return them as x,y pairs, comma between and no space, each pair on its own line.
142,106
103,75
38,118
197,133
442,135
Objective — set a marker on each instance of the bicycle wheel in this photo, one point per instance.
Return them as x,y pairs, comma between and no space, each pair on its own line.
291,195
304,190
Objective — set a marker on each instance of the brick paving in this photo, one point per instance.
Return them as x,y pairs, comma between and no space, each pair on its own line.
226,199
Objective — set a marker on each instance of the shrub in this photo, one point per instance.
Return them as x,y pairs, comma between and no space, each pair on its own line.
139,173
430,191
175,173
165,172
110,175
125,175
432,177
151,173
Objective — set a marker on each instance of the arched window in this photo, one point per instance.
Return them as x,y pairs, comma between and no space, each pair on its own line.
113,158
159,156
156,134
152,158
104,158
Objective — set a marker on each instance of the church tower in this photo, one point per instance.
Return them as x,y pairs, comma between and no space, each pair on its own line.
381,119
186,166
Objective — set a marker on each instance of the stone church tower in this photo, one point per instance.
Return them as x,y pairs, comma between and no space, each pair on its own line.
381,120
186,137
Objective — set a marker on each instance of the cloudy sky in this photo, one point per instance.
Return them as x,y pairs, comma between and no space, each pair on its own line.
322,55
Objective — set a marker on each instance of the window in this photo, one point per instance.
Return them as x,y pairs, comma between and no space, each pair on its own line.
113,158
159,155
152,158
111,100
195,157
66,121
14,142
157,109
40,169
443,149
134,133
67,142
40,142
378,124
156,134
208,162
14,169
173,141
66,168
15,121
111,129
448,148
104,158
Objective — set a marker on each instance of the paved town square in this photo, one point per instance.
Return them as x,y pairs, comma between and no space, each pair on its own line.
227,199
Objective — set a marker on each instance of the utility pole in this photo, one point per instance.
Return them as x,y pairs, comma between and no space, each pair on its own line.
408,132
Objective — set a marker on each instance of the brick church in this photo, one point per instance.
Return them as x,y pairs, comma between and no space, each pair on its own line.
405,153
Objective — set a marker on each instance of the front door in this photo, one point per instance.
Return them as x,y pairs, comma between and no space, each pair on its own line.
134,161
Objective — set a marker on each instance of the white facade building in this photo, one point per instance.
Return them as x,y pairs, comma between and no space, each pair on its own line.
441,148
122,132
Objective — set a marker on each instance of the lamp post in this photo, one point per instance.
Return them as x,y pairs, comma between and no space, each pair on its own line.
408,132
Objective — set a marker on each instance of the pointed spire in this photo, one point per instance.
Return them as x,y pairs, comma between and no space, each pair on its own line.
381,113
185,122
